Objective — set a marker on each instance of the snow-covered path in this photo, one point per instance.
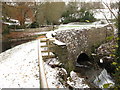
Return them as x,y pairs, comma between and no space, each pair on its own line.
19,67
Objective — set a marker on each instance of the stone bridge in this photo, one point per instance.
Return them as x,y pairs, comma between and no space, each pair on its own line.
83,40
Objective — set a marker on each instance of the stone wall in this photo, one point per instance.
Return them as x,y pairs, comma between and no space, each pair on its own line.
82,40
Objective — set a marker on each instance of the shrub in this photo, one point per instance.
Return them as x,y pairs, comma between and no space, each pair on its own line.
5,30
34,25
83,15
87,16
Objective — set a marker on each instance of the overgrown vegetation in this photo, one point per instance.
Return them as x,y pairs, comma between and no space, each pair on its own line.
5,29
34,25
74,14
116,53
117,63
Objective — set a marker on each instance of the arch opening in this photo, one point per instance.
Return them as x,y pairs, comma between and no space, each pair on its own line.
83,57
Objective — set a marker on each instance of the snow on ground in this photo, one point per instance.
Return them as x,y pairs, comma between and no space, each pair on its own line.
49,35
46,53
19,67
76,82
52,75
37,33
11,23
79,26
103,79
102,13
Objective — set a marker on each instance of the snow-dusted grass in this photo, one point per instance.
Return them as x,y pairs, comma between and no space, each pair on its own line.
80,26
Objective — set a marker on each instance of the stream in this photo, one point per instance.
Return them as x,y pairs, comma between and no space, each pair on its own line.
94,77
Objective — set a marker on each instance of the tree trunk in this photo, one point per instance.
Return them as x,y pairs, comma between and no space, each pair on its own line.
22,23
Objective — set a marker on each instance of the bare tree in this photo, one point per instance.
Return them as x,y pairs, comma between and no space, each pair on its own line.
54,11
19,11
49,12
